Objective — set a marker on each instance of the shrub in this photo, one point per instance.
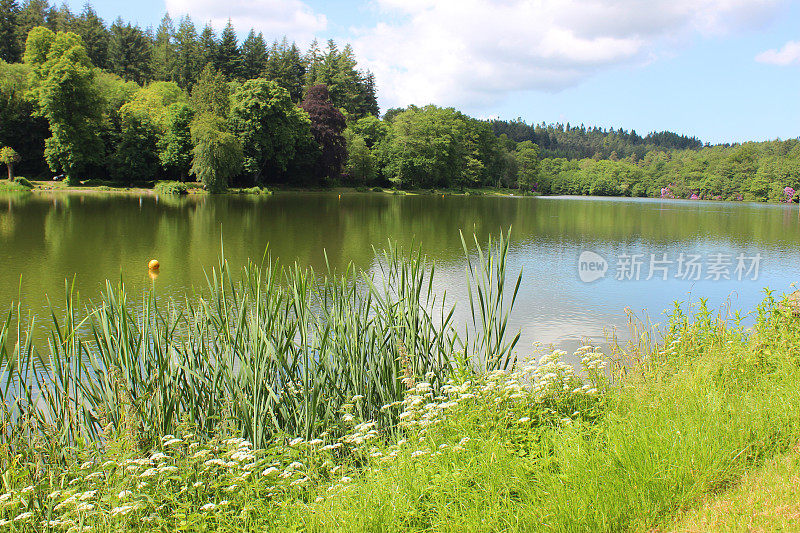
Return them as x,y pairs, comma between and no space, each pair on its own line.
170,187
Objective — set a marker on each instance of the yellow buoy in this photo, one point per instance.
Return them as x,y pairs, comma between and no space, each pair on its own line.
153,264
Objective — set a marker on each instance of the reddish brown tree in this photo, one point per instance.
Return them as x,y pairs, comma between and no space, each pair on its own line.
327,125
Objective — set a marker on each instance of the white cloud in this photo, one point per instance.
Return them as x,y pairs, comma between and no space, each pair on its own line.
275,18
788,54
471,53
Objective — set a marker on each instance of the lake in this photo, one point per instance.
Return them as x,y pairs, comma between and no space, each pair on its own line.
584,260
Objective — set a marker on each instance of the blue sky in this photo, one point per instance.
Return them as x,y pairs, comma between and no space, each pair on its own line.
723,70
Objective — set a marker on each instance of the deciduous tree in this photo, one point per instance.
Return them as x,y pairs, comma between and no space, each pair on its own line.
63,85
217,153
9,157
327,125
269,126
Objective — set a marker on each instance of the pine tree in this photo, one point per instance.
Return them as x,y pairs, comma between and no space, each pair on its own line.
164,50
187,57
63,19
254,56
211,93
95,36
10,50
228,54
368,99
296,74
312,60
207,47
130,52
286,66
33,13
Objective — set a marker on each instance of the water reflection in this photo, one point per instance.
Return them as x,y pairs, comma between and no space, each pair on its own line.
47,238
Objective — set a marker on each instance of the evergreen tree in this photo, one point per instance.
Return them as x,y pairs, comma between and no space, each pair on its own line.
187,58
312,60
228,53
95,36
130,52
33,13
207,48
164,50
10,50
367,102
254,56
285,66
62,19
211,94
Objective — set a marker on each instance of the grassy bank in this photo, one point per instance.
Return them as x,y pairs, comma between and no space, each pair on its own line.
377,416
180,188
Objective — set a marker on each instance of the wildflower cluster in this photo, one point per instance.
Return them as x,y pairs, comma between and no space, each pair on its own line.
539,394
187,480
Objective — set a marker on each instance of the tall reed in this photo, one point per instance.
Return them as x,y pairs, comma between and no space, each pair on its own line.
274,350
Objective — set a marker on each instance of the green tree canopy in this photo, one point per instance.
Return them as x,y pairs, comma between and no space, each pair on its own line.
527,156
211,93
217,154
269,126
62,82
9,157
9,45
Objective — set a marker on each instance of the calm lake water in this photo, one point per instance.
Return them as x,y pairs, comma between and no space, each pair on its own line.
47,238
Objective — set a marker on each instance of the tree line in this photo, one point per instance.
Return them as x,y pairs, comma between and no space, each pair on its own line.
133,105
136,105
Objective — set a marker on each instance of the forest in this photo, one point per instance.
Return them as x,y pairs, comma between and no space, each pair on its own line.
131,106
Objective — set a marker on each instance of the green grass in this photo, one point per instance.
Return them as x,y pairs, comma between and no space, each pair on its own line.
767,499
504,445
19,184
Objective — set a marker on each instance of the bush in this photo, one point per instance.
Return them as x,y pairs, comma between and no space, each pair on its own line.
170,187
15,186
24,182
